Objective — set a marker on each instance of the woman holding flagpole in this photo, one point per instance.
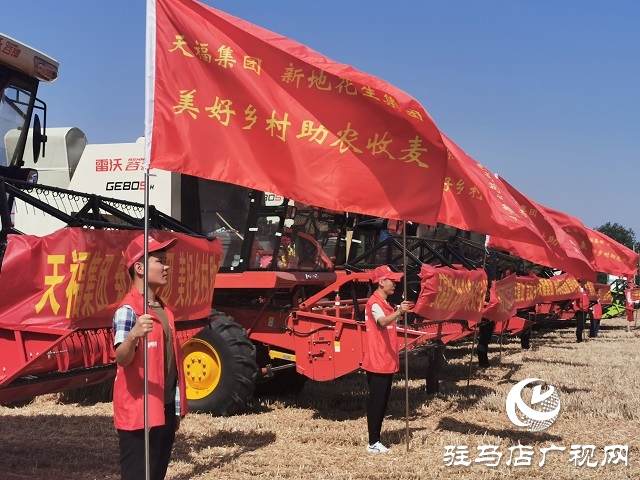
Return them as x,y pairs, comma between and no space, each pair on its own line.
381,359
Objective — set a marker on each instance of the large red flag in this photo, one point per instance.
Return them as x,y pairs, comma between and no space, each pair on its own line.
605,254
558,250
474,199
611,256
240,104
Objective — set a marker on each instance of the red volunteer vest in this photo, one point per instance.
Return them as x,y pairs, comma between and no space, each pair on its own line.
128,388
582,302
381,355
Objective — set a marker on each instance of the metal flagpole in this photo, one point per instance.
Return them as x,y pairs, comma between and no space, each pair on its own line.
150,46
501,335
475,330
406,327
473,346
145,302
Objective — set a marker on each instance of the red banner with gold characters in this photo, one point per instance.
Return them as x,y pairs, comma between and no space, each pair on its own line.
527,291
562,287
632,295
532,290
603,293
605,254
611,256
447,294
502,300
476,200
237,103
74,277
558,250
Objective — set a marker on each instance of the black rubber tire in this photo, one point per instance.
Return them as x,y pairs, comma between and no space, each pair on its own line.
238,368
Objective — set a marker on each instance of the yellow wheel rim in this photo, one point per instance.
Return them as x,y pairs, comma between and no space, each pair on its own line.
202,368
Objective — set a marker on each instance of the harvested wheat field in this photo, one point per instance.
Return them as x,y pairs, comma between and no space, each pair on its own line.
321,433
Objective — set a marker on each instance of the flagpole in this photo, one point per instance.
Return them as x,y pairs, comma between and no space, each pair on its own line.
149,90
147,466
406,327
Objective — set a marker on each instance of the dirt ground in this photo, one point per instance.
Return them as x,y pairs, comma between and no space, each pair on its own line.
321,433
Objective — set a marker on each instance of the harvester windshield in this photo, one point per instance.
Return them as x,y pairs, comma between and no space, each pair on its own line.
21,70
262,231
14,104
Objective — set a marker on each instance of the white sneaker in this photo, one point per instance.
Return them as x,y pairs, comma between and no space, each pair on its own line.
377,448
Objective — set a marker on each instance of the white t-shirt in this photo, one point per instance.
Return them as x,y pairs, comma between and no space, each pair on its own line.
377,312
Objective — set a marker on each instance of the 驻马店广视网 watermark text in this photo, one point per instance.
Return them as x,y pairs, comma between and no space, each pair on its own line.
523,455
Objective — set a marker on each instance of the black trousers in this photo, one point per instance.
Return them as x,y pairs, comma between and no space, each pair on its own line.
484,339
580,323
594,327
160,444
379,391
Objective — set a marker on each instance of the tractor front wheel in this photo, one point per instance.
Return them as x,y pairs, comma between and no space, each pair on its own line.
220,368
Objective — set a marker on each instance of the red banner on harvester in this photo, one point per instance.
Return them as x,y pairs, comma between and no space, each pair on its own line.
502,300
447,293
632,295
532,290
237,103
75,277
603,292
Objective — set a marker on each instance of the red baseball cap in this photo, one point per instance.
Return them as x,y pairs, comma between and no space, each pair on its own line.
135,250
385,273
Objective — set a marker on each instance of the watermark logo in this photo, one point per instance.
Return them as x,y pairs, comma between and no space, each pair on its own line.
543,409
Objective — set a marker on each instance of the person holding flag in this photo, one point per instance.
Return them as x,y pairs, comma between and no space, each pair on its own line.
167,395
581,307
381,359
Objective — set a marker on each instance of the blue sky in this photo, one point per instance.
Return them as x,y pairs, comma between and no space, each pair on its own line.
545,93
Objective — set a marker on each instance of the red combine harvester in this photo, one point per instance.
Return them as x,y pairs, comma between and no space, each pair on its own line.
290,285
59,290
291,290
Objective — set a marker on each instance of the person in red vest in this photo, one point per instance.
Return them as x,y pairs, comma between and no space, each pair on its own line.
581,307
166,385
629,303
381,359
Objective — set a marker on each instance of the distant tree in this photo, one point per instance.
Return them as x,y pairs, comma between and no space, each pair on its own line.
623,235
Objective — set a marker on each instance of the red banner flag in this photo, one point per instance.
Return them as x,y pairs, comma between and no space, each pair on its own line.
527,291
603,292
532,290
240,104
502,300
632,295
514,325
605,254
474,199
612,257
558,250
562,287
74,277
447,293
